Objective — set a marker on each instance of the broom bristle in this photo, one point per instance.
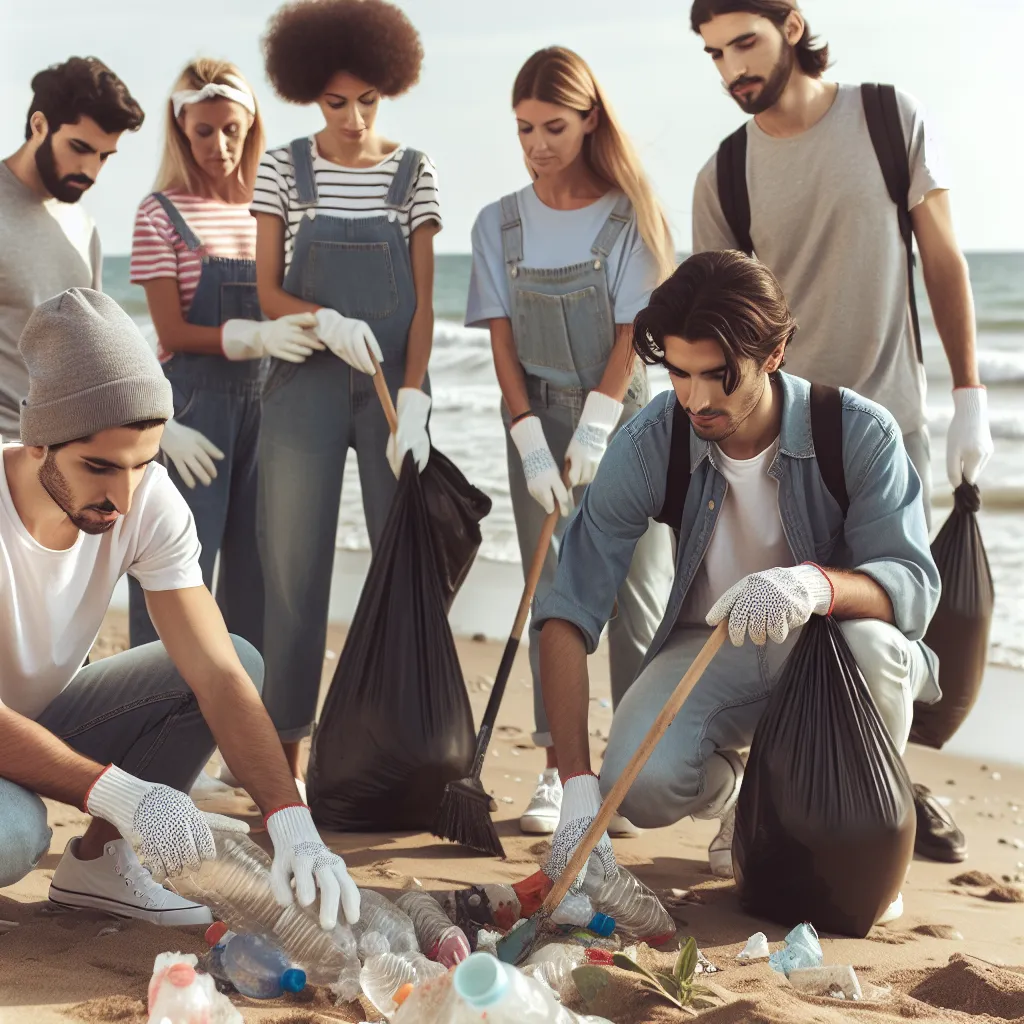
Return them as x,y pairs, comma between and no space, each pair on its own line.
464,817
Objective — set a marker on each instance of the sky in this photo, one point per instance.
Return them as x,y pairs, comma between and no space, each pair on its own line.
960,58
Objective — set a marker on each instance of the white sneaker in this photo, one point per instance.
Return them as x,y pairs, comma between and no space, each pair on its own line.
720,850
541,817
894,911
117,883
620,827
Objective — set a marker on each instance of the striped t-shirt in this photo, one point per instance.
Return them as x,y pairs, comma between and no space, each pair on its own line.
343,191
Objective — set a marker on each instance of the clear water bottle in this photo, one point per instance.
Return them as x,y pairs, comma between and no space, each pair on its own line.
438,938
636,910
384,974
259,969
377,914
236,887
576,911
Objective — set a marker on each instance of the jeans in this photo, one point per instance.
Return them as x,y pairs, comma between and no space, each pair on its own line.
684,775
133,710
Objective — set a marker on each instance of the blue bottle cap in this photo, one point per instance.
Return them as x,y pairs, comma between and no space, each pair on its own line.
602,925
293,980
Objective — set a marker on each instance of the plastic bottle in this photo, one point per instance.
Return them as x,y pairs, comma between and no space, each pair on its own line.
575,911
384,974
438,938
378,914
236,887
260,969
176,995
636,910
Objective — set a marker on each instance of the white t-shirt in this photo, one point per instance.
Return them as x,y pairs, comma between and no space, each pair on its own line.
748,534
52,603
557,238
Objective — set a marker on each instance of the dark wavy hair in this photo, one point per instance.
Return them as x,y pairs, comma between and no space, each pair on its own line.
310,41
83,87
723,296
810,54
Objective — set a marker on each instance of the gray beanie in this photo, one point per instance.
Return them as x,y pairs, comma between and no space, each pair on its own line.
89,369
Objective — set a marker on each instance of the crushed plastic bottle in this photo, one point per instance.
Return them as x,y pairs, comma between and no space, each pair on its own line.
384,974
575,911
179,995
438,938
553,964
838,982
637,912
802,950
380,918
260,969
236,887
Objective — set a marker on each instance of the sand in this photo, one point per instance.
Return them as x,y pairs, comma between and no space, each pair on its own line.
68,966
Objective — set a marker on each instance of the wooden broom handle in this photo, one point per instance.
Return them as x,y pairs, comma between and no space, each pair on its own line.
385,396
636,763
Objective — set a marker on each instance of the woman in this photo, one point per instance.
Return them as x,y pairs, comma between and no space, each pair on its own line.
194,253
345,230
560,269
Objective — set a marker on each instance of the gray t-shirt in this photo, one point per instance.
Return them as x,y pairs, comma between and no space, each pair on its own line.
557,238
46,247
822,220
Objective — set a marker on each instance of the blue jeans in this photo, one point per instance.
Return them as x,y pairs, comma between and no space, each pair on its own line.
133,710
221,400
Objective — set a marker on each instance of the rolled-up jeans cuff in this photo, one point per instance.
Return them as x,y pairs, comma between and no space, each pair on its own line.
542,739
299,732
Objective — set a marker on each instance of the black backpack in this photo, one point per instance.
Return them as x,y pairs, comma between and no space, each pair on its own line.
886,129
826,432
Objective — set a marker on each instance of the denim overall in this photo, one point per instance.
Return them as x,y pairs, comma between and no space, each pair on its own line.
312,414
563,323
221,399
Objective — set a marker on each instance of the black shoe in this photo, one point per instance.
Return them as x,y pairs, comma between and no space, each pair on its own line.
938,837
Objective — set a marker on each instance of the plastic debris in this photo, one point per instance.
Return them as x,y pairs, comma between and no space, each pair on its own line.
178,993
756,948
802,950
704,965
838,982
9,926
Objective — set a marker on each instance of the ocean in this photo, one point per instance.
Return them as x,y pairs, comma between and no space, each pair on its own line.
466,424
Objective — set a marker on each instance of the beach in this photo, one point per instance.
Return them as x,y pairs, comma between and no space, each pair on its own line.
84,966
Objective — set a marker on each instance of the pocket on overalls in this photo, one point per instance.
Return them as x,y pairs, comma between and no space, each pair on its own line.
183,392
239,301
355,278
279,373
542,338
591,334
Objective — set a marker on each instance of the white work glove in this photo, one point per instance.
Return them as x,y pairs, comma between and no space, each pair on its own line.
590,442
290,338
191,452
969,441
351,340
299,852
168,832
542,477
581,800
768,604
411,436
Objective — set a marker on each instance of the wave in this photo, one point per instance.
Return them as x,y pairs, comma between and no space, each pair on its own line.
1006,425
1000,367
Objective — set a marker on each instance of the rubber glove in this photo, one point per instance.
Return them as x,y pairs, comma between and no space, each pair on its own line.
581,800
167,831
768,604
590,442
351,340
969,441
411,436
542,477
191,452
290,338
300,853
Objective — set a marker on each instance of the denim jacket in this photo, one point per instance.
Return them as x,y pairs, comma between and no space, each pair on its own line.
884,535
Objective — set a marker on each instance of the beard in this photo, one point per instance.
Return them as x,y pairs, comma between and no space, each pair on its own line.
56,486
772,89
58,187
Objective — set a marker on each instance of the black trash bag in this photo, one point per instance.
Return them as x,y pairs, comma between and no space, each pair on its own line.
396,726
825,822
958,633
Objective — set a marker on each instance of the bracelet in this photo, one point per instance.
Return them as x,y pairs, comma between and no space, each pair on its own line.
521,416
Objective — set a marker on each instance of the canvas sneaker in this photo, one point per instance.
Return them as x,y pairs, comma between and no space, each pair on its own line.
541,816
620,827
117,883
720,850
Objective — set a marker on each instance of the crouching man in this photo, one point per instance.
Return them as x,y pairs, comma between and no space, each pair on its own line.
81,503
763,543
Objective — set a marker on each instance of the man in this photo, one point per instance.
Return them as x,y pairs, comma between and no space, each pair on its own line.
822,219
81,503
758,528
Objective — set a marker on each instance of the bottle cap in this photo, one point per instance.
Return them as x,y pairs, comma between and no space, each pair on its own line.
293,980
602,925
215,933
480,980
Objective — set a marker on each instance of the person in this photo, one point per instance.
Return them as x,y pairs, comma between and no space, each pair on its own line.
345,226
763,544
82,502
79,111
560,268
822,219
194,252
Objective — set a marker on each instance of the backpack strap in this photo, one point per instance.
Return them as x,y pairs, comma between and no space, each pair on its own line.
733,195
882,112
827,434
677,482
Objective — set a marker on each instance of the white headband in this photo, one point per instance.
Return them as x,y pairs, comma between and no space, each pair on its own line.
211,91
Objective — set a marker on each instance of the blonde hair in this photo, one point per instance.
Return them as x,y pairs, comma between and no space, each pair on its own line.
178,167
560,76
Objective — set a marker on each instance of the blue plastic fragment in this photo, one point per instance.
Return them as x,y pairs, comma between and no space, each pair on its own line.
802,950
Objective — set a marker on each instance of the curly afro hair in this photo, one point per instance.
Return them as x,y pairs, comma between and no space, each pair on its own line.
310,41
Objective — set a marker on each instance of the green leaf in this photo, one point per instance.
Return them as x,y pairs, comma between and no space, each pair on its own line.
668,983
628,964
701,1003
686,962
590,981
